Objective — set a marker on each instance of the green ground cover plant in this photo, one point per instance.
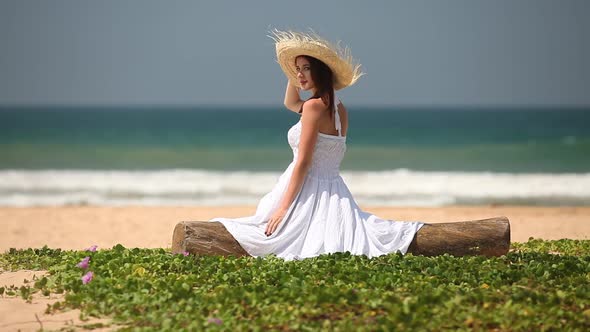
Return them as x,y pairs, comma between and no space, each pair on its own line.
538,286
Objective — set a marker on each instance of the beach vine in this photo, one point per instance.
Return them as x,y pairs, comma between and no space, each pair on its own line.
539,285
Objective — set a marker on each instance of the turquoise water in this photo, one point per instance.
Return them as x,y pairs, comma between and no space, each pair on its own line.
254,139
226,156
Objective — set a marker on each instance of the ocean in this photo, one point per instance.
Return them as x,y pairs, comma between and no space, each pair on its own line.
157,155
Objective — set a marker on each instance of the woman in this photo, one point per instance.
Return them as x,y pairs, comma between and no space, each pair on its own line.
310,210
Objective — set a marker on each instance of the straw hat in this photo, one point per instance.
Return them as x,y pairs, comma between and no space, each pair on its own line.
290,44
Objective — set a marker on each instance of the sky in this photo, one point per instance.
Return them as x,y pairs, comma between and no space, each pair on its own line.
414,53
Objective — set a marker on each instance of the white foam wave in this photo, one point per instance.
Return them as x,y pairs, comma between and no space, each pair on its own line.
202,187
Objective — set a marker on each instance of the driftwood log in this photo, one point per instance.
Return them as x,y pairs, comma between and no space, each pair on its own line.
488,237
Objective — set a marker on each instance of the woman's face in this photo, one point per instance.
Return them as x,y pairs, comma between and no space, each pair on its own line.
304,73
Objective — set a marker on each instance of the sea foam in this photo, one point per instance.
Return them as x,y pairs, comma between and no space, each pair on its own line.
181,187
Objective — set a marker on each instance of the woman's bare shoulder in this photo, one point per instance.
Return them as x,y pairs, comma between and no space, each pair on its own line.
314,105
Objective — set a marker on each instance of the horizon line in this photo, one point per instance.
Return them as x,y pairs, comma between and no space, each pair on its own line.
236,106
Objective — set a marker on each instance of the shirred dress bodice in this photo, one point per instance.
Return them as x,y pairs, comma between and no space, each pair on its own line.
328,152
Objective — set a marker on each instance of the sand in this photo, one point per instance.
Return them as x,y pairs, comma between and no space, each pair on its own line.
151,227
18,315
76,228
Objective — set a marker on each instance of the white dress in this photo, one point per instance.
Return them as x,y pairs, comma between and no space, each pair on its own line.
324,217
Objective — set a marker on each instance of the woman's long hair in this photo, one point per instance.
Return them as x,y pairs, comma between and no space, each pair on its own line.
323,79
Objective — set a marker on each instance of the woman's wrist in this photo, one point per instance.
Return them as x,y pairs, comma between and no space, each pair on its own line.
294,86
282,209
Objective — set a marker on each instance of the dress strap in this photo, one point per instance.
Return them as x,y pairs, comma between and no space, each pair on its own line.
337,123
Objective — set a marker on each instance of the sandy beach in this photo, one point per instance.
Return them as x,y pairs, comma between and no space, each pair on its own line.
151,227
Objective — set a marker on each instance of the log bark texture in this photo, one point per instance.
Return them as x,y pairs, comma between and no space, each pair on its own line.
488,237
205,238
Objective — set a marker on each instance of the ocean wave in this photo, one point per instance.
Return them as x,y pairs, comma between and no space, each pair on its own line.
401,187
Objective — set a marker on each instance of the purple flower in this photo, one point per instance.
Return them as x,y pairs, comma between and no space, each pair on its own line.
92,248
215,320
87,277
84,263
185,253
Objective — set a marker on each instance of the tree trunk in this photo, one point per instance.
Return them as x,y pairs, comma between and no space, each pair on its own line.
488,237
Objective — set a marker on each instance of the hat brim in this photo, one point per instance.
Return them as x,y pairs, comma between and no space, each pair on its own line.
290,45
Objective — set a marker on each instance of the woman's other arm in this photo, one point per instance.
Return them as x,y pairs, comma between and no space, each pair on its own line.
310,126
292,100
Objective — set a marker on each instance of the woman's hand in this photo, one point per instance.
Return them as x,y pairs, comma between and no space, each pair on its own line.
274,221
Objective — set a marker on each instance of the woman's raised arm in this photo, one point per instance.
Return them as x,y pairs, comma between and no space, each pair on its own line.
292,100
